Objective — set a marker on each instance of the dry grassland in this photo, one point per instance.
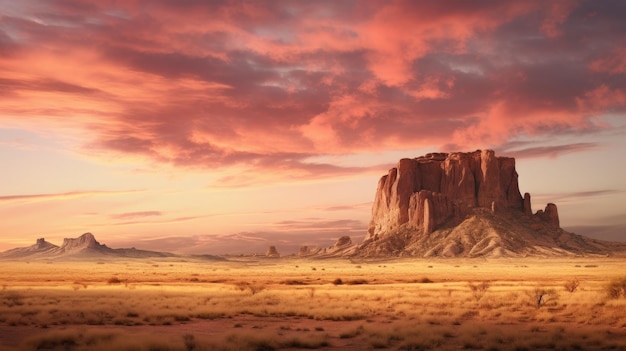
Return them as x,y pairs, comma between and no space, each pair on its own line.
291,304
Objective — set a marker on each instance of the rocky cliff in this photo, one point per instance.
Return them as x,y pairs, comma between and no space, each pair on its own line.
84,242
428,191
463,204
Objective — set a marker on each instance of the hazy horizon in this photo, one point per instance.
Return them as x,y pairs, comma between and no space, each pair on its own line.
196,126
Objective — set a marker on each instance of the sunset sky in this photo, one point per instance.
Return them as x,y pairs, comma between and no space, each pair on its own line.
198,126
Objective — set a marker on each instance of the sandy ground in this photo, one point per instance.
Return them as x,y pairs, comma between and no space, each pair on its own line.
12,336
392,297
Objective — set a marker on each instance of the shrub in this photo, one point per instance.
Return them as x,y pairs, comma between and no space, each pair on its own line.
294,282
357,282
338,281
12,298
353,333
114,280
571,285
616,288
543,296
190,342
252,288
479,289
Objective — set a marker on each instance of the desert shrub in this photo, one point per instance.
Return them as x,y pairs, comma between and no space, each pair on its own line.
66,342
616,288
425,280
69,340
114,280
479,289
190,342
352,333
413,346
310,343
338,281
357,282
541,296
12,298
293,282
251,288
571,285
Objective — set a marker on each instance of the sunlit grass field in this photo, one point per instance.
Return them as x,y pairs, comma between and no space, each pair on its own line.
291,304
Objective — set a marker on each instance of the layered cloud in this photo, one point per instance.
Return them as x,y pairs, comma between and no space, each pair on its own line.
269,86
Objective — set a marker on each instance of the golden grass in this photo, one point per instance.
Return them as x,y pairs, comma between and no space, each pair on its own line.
270,304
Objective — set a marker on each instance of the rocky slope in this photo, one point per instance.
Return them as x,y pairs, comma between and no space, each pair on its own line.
465,205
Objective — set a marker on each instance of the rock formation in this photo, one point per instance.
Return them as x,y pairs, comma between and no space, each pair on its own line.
457,204
272,252
428,191
84,247
41,247
342,242
306,250
83,242
343,247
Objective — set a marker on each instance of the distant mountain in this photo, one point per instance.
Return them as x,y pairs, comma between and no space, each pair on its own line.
466,205
84,247
40,248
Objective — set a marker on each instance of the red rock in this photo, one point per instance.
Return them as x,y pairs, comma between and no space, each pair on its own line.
427,191
551,215
527,206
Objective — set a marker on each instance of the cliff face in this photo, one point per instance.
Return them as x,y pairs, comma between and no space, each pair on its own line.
423,193
85,241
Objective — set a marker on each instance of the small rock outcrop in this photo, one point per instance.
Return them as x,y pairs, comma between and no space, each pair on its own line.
527,206
272,252
342,242
550,215
342,247
305,250
43,245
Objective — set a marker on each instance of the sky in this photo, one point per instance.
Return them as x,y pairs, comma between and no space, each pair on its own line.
197,126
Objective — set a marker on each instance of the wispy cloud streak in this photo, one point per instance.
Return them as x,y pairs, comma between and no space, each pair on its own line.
61,196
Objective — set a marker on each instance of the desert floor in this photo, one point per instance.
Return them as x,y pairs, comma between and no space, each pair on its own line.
292,304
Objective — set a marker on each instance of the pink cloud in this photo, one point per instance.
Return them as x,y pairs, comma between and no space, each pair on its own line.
614,62
268,86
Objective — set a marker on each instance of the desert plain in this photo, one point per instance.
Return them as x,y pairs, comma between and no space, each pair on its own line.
259,303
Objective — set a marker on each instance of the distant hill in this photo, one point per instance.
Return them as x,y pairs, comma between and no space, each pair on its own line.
84,247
